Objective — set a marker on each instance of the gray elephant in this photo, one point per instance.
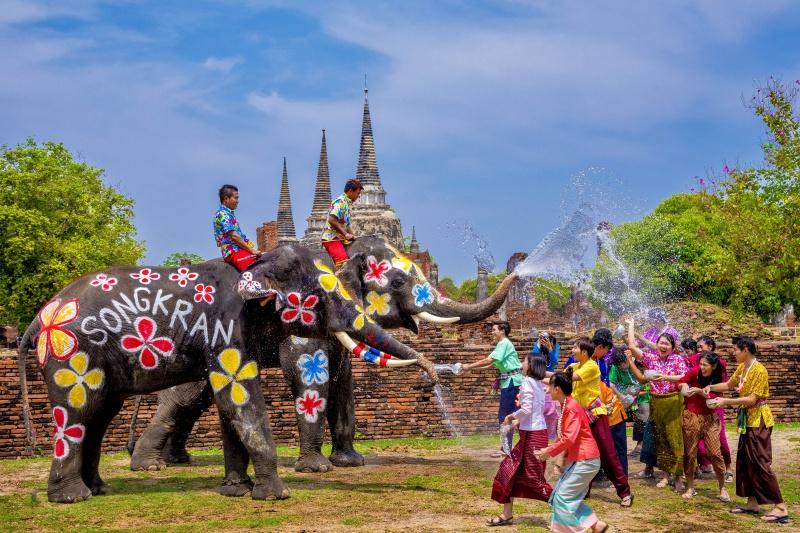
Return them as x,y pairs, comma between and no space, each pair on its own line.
392,291
128,331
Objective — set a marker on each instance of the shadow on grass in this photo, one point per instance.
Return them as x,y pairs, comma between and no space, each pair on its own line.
124,486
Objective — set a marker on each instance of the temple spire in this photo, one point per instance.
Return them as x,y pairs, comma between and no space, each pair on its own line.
322,191
367,170
286,231
414,248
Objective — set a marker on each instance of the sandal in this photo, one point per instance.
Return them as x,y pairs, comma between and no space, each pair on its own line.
499,521
644,474
663,483
775,519
743,510
627,501
688,495
728,477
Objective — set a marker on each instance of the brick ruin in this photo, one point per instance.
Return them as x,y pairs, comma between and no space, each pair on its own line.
388,403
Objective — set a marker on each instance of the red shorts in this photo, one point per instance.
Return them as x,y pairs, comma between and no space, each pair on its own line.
337,251
241,259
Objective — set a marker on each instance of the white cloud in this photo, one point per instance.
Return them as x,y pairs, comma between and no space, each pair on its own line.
222,64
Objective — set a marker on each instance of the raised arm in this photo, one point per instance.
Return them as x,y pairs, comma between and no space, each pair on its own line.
632,346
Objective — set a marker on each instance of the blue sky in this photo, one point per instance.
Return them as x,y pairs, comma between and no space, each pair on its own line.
482,112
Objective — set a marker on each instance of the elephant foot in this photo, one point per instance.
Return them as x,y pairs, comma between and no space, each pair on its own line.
68,491
313,462
270,489
145,462
347,458
177,457
236,487
98,487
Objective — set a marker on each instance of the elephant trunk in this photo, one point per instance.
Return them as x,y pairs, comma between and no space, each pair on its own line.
469,313
385,350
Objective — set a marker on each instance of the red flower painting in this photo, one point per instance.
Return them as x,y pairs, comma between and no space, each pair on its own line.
205,293
376,271
299,308
310,405
65,434
146,275
145,344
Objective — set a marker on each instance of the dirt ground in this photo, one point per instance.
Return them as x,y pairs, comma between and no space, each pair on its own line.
409,485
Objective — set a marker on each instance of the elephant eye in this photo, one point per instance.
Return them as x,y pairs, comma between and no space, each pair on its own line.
398,283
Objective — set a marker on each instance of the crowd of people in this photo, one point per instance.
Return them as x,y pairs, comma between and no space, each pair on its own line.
577,414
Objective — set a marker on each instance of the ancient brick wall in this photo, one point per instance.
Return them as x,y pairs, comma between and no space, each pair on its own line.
388,403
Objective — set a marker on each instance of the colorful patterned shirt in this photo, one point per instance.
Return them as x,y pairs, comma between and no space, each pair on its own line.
341,208
673,365
225,222
755,381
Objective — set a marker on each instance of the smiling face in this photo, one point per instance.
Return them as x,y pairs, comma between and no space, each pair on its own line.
664,346
579,354
232,201
705,367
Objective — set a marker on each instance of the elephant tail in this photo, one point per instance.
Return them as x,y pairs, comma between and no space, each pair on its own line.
22,359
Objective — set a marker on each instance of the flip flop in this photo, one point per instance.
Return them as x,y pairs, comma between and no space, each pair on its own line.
692,495
630,502
724,499
743,510
499,521
774,519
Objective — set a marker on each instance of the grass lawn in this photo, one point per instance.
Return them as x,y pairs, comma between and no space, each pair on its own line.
418,484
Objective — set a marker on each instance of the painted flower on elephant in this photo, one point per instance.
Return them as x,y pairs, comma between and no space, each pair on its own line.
204,293
232,373
299,308
404,263
77,379
378,303
145,344
65,434
54,340
423,294
361,318
314,368
310,405
329,281
183,276
376,271
146,275
248,283
104,282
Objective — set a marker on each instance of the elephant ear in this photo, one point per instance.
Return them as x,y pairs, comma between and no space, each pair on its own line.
351,274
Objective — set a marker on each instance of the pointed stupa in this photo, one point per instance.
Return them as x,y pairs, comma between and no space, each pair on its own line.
322,199
414,247
371,214
286,231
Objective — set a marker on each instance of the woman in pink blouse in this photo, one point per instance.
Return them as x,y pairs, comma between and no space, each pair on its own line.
666,404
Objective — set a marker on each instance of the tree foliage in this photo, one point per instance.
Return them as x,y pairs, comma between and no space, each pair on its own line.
174,259
734,241
57,221
467,290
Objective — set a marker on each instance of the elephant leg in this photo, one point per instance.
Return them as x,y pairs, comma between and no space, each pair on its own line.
298,366
174,404
237,482
174,450
65,483
240,400
341,410
92,444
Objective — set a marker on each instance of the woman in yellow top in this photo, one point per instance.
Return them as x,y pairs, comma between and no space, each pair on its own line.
586,390
755,479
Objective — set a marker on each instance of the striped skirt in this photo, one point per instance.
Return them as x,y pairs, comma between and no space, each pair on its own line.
569,513
521,475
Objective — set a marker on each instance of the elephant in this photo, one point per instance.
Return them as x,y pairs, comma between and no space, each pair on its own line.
397,295
129,330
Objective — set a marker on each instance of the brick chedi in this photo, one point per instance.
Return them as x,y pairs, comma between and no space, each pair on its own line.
371,214
267,236
286,231
322,200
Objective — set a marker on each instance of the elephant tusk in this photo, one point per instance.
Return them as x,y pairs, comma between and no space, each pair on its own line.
437,319
370,354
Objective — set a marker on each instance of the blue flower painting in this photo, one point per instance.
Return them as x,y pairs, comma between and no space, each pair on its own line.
314,368
423,294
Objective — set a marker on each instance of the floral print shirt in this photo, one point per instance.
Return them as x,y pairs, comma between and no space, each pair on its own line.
341,208
672,365
225,222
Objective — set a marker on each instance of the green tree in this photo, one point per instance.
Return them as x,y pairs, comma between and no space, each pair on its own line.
174,259
57,221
